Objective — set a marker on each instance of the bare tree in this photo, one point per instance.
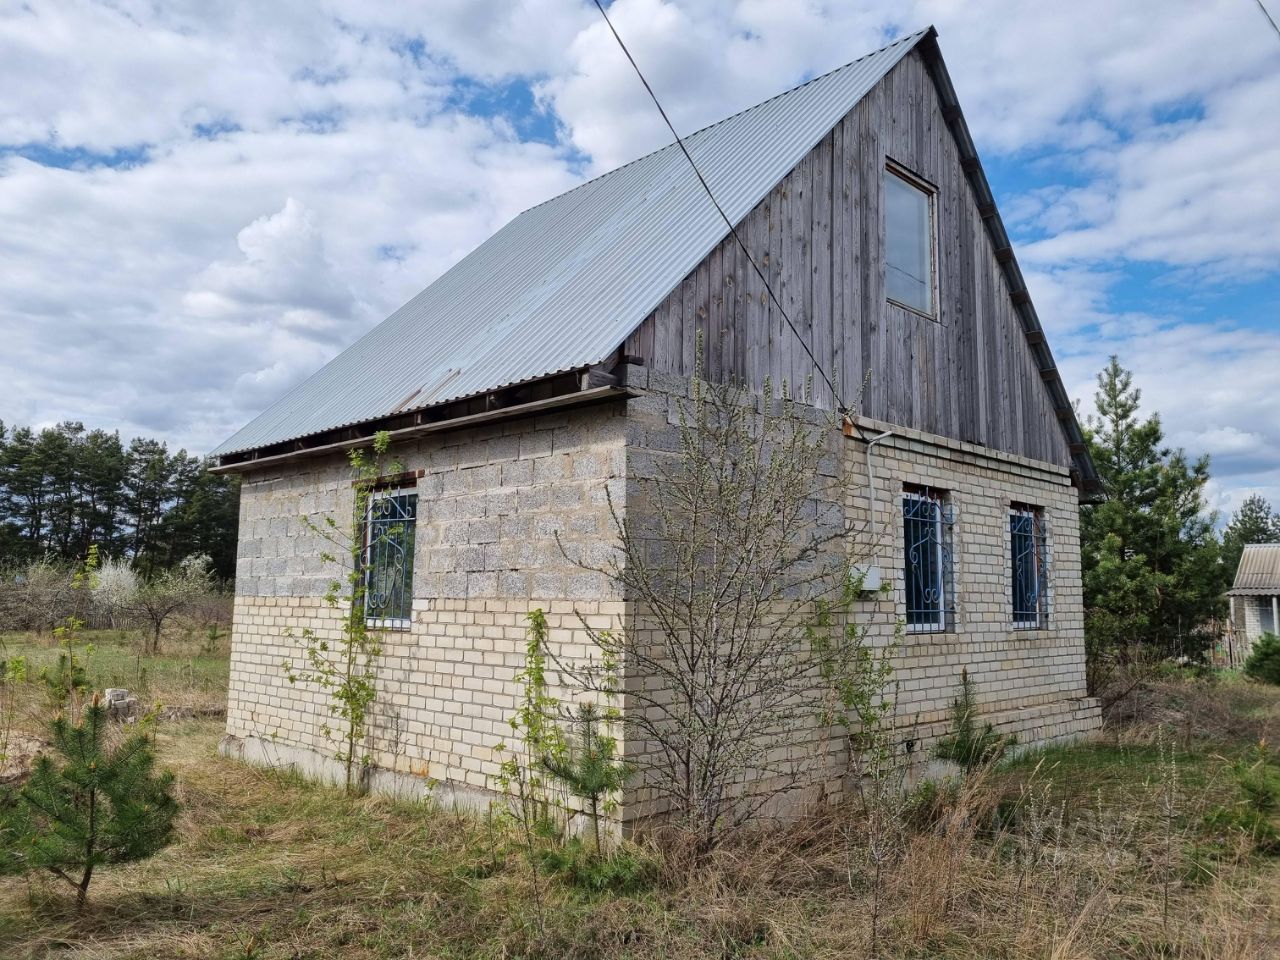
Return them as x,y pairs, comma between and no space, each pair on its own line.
168,594
35,596
732,551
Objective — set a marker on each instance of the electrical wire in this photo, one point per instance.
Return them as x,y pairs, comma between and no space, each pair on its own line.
843,410
1266,13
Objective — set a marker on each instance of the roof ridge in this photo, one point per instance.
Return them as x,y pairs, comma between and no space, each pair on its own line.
755,106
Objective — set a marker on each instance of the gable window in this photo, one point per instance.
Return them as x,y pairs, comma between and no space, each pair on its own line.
390,526
1028,566
908,241
926,529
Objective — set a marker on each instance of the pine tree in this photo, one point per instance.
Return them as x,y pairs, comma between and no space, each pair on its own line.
95,805
589,768
969,743
1152,570
1254,522
65,487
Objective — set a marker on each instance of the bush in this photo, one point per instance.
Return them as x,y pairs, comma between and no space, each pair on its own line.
1264,660
627,870
1243,819
1258,781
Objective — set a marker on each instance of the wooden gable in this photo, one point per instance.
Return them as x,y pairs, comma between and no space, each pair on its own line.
973,374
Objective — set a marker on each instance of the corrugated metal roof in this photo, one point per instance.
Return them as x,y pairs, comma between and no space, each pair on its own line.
1259,571
563,284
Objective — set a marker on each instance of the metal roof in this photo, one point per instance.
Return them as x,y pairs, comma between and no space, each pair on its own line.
563,284
1259,571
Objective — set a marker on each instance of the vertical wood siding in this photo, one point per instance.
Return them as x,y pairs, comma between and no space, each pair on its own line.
818,237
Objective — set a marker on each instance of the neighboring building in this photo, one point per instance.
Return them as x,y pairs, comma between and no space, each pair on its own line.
544,369
1255,596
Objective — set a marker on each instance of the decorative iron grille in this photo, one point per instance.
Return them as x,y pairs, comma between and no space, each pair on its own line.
388,558
927,520
1028,565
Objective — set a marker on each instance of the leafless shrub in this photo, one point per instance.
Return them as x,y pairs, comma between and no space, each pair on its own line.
728,549
35,596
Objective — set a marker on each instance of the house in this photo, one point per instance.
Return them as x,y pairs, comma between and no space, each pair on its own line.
1255,595
531,380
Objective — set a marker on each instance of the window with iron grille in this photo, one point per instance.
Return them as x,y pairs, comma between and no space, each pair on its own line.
1028,566
390,525
927,519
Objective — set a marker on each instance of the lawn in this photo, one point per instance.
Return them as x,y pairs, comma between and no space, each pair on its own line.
191,670
1108,849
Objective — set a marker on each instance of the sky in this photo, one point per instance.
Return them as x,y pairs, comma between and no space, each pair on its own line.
201,203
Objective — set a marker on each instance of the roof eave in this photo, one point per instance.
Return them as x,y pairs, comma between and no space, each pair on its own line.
1086,474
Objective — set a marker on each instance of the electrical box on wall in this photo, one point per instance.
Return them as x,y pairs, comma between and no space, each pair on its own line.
869,573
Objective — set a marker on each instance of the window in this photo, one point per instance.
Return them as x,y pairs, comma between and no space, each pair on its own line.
926,527
1028,565
388,557
908,242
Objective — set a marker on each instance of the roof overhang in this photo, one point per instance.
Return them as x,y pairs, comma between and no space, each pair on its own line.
1084,473
527,401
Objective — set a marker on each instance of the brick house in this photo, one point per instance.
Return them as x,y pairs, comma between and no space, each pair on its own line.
545,367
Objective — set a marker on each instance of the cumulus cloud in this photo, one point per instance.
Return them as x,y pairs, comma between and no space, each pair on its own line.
282,269
203,203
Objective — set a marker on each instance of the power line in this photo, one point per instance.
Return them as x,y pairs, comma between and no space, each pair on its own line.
1267,13
723,216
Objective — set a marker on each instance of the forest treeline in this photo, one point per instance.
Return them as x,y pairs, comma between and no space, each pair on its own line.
66,487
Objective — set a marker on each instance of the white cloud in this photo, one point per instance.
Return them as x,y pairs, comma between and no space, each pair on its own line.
283,268
297,169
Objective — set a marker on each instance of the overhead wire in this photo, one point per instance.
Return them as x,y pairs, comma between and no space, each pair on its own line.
835,393
1270,19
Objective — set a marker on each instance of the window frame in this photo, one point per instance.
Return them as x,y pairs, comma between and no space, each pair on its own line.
943,521
911,179
1023,619
376,495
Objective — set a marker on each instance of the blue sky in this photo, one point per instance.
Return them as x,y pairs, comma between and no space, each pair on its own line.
203,203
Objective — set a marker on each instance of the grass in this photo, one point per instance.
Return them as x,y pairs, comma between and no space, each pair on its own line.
1057,854
191,671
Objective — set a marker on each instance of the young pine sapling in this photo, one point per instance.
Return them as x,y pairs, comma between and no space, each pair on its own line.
93,804
970,744
589,768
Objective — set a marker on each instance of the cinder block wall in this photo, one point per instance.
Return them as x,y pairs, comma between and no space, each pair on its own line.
490,505
1028,682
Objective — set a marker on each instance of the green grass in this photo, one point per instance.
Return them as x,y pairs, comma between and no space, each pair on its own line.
270,866
189,671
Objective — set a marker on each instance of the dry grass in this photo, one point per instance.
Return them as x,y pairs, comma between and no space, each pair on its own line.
1068,854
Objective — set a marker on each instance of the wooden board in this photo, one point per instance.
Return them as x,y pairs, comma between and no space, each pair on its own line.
965,373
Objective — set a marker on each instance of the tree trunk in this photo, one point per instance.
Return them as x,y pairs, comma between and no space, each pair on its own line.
82,888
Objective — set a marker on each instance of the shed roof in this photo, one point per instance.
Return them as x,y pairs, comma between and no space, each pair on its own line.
1259,571
563,284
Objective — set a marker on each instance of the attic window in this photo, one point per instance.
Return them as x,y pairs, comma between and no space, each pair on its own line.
908,241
